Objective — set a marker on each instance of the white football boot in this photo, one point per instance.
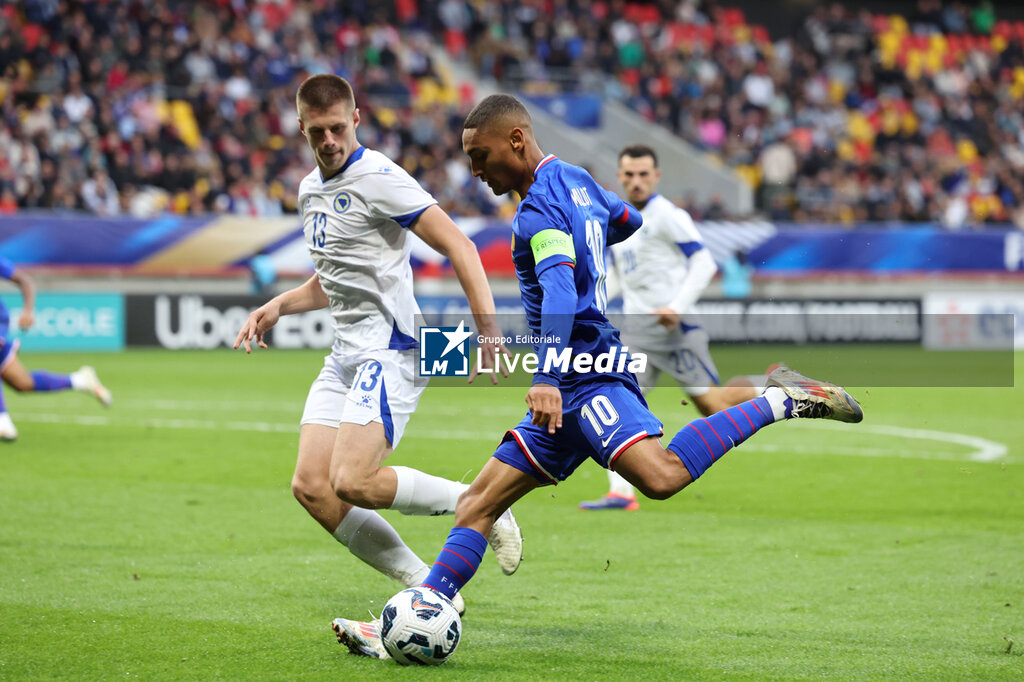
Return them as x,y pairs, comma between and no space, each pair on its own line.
507,542
361,638
459,603
8,431
86,379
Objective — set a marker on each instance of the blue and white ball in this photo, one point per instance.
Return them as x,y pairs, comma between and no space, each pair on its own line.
420,627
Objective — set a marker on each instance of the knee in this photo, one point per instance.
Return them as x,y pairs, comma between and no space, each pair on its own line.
661,483
657,490
352,487
309,492
472,508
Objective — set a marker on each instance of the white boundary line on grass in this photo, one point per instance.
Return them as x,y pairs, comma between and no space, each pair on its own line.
984,450
213,425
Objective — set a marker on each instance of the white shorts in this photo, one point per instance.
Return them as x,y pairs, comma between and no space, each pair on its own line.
373,386
689,363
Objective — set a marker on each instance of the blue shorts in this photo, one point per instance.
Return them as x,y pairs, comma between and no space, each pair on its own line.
600,420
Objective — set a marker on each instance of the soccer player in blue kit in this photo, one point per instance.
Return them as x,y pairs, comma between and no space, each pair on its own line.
15,375
560,231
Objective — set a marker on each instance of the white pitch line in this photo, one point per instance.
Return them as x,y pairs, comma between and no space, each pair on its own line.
268,406
985,450
212,425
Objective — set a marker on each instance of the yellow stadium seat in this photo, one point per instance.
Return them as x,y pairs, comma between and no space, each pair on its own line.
966,150
860,128
836,91
184,119
749,174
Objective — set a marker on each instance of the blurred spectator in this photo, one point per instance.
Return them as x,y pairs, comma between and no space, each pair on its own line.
99,194
736,274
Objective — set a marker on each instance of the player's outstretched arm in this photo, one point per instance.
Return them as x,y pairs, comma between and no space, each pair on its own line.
28,297
701,269
307,296
441,234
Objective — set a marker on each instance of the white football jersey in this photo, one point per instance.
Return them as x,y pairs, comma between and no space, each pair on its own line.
650,269
355,225
656,256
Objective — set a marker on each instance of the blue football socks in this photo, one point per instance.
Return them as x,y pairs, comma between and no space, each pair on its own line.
457,562
48,381
702,442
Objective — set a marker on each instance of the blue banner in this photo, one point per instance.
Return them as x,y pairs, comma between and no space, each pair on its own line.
71,239
882,250
771,248
70,322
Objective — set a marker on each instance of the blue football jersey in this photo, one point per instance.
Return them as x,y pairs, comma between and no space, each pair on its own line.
566,199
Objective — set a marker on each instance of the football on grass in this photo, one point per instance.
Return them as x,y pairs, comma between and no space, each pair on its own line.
420,627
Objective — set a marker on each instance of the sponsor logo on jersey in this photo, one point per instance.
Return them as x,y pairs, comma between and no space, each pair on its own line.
342,201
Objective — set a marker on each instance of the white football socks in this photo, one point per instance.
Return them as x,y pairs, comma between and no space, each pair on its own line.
776,397
371,539
617,485
80,381
421,494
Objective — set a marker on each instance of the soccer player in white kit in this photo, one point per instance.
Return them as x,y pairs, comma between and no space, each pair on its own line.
660,272
357,208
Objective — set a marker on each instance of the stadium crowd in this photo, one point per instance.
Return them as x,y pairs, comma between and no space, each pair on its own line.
854,117
143,107
139,108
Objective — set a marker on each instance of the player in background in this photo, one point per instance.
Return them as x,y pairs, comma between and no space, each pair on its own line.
660,272
14,373
559,234
357,209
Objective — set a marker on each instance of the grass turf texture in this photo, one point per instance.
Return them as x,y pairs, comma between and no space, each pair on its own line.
160,540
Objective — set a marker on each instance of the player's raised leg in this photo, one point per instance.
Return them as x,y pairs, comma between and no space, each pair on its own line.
660,472
694,369
84,379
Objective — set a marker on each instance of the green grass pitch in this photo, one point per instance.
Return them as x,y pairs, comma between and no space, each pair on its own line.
159,540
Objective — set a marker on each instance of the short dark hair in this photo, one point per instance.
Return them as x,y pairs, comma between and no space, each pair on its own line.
494,107
323,91
638,151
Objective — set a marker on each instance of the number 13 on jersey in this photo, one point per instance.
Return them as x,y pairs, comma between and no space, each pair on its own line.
319,237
